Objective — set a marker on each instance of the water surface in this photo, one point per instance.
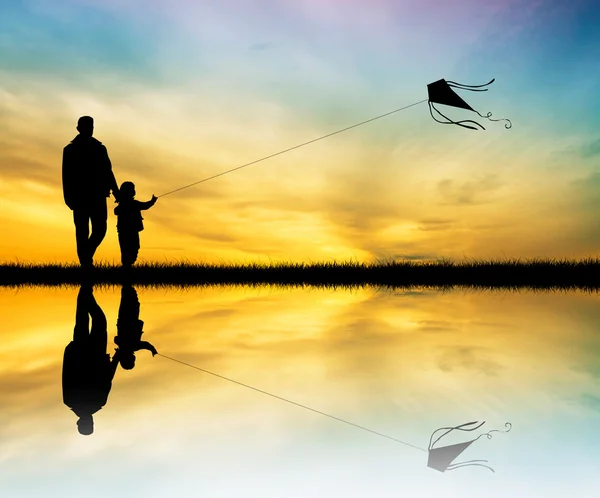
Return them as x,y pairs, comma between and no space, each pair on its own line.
403,364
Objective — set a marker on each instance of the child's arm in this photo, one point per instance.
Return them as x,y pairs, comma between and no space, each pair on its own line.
149,347
148,204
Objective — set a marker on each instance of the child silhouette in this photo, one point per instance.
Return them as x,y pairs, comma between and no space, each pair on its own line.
130,329
129,222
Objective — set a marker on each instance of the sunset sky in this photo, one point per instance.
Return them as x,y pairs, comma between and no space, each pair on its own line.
183,90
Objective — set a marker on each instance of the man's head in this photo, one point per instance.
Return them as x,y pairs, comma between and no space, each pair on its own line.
85,126
85,424
127,190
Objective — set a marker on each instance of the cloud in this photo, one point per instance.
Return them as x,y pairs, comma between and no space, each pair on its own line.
415,257
163,248
19,389
590,184
432,225
583,201
585,149
435,326
591,401
469,358
470,192
20,169
591,149
211,234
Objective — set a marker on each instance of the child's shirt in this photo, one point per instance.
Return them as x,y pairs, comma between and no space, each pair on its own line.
129,214
129,336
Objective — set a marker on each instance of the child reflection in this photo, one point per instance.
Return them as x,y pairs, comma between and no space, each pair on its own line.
88,370
130,329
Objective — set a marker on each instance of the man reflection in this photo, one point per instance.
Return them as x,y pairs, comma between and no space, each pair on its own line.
130,328
88,370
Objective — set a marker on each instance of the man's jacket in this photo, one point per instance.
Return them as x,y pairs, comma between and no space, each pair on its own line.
86,378
86,172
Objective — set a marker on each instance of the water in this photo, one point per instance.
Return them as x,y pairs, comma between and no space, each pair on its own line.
400,364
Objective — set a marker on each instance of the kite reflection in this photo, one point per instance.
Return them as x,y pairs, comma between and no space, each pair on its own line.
130,328
88,370
441,458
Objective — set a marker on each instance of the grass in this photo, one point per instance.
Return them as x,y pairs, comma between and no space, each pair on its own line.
581,274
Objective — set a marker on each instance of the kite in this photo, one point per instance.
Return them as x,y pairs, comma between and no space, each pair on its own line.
441,458
440,92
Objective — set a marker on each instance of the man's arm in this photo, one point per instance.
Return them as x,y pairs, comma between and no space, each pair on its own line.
67,180
111,175
114,363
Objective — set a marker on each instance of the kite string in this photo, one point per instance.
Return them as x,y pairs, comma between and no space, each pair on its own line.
292,402
295,147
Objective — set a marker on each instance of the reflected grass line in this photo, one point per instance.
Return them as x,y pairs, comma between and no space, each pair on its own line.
511,275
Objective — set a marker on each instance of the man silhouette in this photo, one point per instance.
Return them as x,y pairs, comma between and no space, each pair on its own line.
88,180
88,371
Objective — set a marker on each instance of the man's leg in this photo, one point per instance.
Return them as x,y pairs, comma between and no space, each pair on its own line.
100,360
81,218
85,300
99,331
99,217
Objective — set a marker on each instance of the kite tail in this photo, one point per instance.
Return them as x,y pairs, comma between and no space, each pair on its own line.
489,434
477,88
452,122
487,116
469,464
472,88
450,429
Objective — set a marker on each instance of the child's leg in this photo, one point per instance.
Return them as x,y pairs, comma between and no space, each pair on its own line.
125,243
129,307
135,246
122,247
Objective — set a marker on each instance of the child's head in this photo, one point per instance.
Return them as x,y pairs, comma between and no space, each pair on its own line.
127,190
127,360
